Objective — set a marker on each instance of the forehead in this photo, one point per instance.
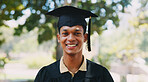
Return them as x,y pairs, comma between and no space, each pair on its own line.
73,28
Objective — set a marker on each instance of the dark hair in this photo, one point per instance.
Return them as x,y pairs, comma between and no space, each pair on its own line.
84,29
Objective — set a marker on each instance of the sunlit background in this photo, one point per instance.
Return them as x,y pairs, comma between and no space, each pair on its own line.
119,37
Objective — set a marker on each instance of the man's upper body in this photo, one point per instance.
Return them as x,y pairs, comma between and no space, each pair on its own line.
88,72
72,35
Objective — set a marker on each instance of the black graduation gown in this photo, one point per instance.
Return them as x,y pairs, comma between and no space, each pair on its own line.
94,73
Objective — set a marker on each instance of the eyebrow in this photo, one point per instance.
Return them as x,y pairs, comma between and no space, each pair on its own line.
78,30
64,30
75,30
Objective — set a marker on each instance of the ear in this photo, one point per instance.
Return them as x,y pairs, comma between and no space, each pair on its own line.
85,37
58,36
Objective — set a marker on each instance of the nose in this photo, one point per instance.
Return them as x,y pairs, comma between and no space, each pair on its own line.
71,37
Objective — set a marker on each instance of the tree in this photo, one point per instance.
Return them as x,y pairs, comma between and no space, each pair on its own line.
106,10
127,44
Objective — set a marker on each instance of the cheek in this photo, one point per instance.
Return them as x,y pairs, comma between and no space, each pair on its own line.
81,41
62,40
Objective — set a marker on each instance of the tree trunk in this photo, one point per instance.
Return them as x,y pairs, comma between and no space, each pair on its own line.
59,51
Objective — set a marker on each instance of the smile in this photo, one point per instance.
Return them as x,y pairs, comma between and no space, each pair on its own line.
71,45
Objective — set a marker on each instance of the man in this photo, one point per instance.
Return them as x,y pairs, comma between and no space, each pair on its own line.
73,66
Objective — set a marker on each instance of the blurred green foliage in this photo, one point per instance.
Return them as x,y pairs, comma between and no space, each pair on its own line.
3,60
105,60
126,43
144,44
10,9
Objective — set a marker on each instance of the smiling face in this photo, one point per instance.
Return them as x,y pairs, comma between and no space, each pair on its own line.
72,39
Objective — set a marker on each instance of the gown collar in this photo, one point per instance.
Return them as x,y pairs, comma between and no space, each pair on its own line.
63,68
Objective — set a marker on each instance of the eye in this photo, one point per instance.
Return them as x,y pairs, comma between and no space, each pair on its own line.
77,33
64,33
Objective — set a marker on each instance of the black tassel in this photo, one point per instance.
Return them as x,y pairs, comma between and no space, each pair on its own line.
89,32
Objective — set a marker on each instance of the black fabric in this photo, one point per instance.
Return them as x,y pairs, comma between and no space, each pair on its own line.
66,10
71,16
71,20
94,73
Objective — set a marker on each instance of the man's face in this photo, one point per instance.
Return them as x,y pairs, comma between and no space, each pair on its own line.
72,39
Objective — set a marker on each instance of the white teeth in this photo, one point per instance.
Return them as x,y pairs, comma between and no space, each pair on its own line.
71,45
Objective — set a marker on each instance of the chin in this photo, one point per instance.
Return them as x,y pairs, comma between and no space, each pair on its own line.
71,53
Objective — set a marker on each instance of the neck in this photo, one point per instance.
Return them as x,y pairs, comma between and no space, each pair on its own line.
73,62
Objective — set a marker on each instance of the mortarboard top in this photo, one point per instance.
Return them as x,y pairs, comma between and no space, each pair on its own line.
71,16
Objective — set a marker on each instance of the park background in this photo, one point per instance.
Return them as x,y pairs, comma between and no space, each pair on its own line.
119,37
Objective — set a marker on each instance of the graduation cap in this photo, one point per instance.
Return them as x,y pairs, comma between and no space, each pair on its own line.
71,16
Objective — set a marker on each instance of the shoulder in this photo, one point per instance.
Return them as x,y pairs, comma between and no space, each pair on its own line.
52,67
96,68
47,72
49,69
94,65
